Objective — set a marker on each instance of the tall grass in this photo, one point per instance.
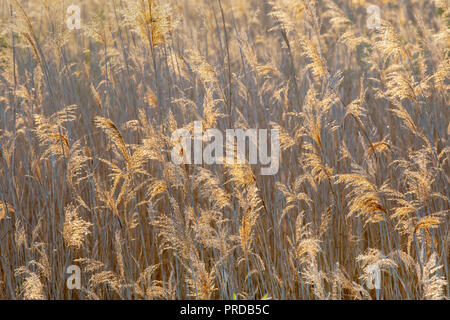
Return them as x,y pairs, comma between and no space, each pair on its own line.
86,179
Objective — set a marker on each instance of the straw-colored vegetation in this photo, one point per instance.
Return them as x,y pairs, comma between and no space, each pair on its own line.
86,178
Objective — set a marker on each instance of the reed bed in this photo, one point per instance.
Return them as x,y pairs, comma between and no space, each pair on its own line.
86,177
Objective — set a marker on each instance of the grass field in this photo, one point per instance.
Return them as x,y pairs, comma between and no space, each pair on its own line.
359,208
